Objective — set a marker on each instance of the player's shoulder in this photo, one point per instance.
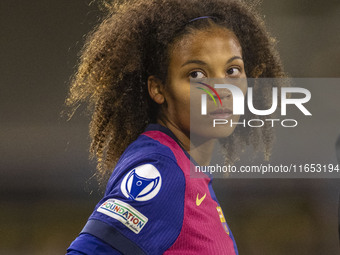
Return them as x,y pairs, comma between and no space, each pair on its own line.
145,146
147,160
148,152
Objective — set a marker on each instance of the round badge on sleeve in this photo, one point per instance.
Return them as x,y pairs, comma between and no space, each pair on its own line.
141,183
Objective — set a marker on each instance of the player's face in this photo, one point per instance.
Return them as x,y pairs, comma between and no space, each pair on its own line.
210,53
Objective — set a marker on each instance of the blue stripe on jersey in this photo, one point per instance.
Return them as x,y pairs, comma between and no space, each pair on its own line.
111,236
87,244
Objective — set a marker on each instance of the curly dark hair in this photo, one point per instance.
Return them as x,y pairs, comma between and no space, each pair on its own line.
132,42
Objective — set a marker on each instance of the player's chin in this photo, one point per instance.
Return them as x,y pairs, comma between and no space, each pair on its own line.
210,132
220,132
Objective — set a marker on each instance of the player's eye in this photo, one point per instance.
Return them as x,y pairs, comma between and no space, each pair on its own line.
197,75
233,72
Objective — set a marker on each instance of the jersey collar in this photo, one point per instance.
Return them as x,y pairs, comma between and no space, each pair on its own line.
165,130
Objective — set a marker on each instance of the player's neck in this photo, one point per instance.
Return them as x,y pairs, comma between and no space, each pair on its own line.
199,148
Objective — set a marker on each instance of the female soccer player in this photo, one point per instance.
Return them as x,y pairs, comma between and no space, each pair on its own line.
135,73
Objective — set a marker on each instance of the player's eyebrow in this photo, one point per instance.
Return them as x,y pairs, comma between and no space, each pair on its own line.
194,61
200,62
233,58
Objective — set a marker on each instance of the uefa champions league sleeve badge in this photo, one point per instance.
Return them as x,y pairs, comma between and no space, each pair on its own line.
141,183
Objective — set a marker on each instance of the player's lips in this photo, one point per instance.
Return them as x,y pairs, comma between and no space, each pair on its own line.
221,113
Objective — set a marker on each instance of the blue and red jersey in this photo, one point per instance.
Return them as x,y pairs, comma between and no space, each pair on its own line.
153,206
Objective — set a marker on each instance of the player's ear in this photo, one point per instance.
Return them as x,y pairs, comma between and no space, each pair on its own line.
156,89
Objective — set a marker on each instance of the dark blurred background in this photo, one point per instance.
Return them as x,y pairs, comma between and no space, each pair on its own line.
46,185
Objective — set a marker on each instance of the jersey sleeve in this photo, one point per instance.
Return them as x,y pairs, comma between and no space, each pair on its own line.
143,206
